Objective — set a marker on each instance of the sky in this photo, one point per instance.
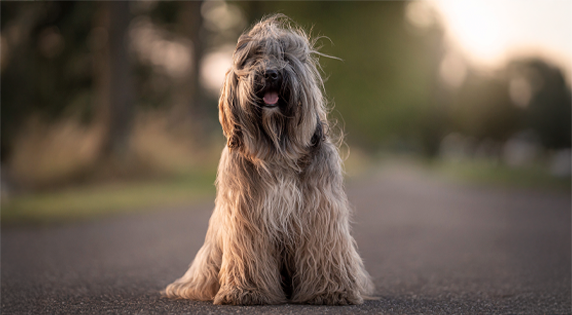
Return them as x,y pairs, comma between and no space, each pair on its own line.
489,32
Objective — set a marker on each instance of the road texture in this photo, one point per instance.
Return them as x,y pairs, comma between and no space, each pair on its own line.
432,247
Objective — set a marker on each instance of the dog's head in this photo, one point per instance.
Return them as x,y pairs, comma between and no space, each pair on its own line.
271,105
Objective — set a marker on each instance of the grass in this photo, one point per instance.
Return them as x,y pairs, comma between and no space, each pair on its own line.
93,201
496,174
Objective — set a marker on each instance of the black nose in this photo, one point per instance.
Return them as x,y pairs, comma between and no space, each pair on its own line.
271,75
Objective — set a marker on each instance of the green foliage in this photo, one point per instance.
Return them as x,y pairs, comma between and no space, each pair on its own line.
482,108
48,67
549,111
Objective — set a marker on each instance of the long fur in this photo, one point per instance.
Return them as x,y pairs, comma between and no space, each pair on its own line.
280,230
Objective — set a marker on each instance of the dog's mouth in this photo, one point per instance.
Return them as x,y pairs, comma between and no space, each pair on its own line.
271,98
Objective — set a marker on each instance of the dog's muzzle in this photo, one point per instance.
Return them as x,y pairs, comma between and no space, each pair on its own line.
273,82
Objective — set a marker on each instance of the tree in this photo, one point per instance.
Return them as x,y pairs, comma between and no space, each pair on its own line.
549,110
115,81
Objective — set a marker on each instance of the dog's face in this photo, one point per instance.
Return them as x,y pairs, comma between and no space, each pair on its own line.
271,104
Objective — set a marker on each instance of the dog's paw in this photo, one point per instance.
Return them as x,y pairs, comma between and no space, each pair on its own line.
236,296
335,298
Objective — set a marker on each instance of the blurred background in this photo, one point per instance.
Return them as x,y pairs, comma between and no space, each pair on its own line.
112,106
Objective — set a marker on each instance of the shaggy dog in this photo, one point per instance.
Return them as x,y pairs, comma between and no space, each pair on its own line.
280,229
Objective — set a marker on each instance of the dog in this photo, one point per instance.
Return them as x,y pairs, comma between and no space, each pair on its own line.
280,230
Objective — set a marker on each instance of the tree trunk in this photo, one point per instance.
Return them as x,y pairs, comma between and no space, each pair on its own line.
190,94
114,82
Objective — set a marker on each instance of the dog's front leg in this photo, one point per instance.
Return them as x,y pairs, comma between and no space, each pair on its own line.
249,273
328,267
329,270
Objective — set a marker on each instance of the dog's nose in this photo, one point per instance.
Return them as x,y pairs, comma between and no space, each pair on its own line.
271,75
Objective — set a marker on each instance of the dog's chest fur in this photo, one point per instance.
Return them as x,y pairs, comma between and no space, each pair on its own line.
283,202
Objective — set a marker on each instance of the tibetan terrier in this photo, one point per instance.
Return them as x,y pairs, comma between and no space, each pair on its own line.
280,230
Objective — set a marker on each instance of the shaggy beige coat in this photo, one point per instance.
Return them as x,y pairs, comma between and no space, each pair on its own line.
280,230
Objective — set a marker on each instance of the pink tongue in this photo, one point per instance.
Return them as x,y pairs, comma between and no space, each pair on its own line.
270,98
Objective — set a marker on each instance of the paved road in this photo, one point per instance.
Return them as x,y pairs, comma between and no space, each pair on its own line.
431,246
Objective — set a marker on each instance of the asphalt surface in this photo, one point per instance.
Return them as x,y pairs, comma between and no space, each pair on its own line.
432,247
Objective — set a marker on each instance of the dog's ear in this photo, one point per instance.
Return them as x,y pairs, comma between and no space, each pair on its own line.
227,105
